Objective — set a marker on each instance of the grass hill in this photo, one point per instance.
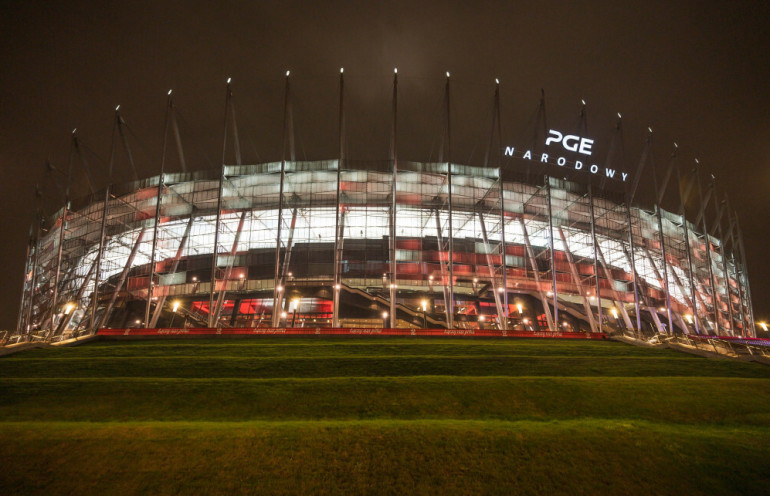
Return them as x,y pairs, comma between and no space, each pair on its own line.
381,416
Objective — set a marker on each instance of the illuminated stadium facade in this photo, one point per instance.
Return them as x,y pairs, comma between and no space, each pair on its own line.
327,244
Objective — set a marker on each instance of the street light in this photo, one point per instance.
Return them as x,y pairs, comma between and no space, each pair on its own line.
424,304
174,307
68,308
481,321
384,319
294,302
764,326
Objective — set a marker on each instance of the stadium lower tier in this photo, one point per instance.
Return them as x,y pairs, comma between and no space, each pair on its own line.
303,244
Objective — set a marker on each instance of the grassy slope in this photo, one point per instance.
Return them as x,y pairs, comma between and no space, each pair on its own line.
381,416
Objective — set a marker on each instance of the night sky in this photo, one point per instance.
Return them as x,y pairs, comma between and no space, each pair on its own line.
697,72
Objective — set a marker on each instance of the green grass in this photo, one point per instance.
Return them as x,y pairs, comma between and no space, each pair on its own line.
381,416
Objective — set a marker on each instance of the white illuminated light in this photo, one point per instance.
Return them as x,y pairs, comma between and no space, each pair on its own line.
228,80
619,116
570,142
497,81
583,102
74,130
287,73
283,315
519,308
240,276
424,305
500,290
117,108
342,69
384,315
337,287
689,318
169,92
279,288
481,318
176,306
447,74
395,70
68,308
614,313
764,326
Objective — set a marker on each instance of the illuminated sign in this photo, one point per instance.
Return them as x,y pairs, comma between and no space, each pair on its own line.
570,143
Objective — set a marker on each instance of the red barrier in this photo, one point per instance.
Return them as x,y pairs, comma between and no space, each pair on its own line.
345,331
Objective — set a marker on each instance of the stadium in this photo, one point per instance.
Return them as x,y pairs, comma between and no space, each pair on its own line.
511,246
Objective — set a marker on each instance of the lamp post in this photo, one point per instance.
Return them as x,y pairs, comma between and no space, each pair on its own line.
384,320
481,321
295,303
175,307
424,304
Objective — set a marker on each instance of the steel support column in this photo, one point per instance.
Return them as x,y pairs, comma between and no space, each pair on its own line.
174,267
595,253
337,235
707,247
33,290
122,278
725,273
632,260
277,286
733,243
451,308
693,290
662,241
214,253
79,295
24,300
394,189
553,252
156,223
491,269
99,255
441,252
536,273
747,291
608,276
576,280
660,193
229,270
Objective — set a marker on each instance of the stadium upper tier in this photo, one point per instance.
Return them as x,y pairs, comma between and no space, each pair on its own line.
507,254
